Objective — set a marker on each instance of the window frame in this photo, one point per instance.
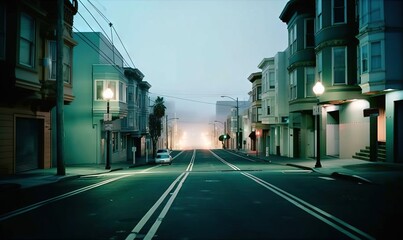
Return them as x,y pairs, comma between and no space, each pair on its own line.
373,56
309,86
338,68
105,84
293,87
31,43
364,68
319,67
292,33
272,79
344,12
309,35
318,15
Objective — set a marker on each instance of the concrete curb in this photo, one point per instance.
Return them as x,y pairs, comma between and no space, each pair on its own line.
299,166
350,177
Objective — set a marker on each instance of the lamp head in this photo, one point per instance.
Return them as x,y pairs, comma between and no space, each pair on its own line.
107,94
318,88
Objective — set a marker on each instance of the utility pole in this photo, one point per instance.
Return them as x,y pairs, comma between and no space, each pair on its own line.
59,90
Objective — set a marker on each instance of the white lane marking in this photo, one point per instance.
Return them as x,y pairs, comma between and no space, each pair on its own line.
164,211
225,162
63,196
57,198
192,160
251,160
328,178
136,230
314,211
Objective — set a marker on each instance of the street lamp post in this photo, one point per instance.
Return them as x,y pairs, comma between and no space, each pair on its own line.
108,95
318,89
237,120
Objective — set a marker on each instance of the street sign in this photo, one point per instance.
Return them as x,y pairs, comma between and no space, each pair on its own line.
107,117
316,110
108,126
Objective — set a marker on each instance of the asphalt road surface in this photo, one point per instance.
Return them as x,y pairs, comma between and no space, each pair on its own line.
204,194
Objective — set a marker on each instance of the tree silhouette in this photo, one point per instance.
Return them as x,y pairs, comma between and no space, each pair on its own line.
155,123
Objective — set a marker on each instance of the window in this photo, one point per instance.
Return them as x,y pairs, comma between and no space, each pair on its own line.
339,65
130,119
375,13
101,85
319,67
268,110
293,38
364,58
272,80
259,114
318,15
370,11
293,85
309,33
2,31
122,92
339,11
376,56
67,62
309,81
259,92
27,40
53,59
115,139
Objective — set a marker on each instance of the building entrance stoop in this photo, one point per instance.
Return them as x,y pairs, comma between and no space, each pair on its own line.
364,154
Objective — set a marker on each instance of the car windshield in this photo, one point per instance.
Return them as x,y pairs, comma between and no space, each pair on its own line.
162,150
162,156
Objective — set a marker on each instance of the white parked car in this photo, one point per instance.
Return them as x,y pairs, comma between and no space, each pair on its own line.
163,151
163,158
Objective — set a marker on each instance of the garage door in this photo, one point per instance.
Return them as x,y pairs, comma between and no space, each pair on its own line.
29,143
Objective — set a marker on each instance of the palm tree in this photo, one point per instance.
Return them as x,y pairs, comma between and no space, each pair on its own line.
159,107
155,122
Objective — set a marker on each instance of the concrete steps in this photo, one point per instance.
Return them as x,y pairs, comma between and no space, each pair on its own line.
363,154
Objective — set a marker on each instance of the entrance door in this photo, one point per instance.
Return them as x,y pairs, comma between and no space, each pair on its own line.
29,143
332,134
297,142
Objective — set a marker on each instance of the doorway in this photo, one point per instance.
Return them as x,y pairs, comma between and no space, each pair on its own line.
28,143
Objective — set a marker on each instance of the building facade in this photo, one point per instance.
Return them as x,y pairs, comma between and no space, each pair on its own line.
28,72
380,73
275,109
361,104
260,135
101,66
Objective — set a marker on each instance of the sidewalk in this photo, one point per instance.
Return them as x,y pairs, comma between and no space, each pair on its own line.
45,176
351,169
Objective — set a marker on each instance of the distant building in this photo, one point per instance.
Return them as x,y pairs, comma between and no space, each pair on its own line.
275,108
226,114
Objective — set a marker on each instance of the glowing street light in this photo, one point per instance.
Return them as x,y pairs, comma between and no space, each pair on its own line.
107,95
318,89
